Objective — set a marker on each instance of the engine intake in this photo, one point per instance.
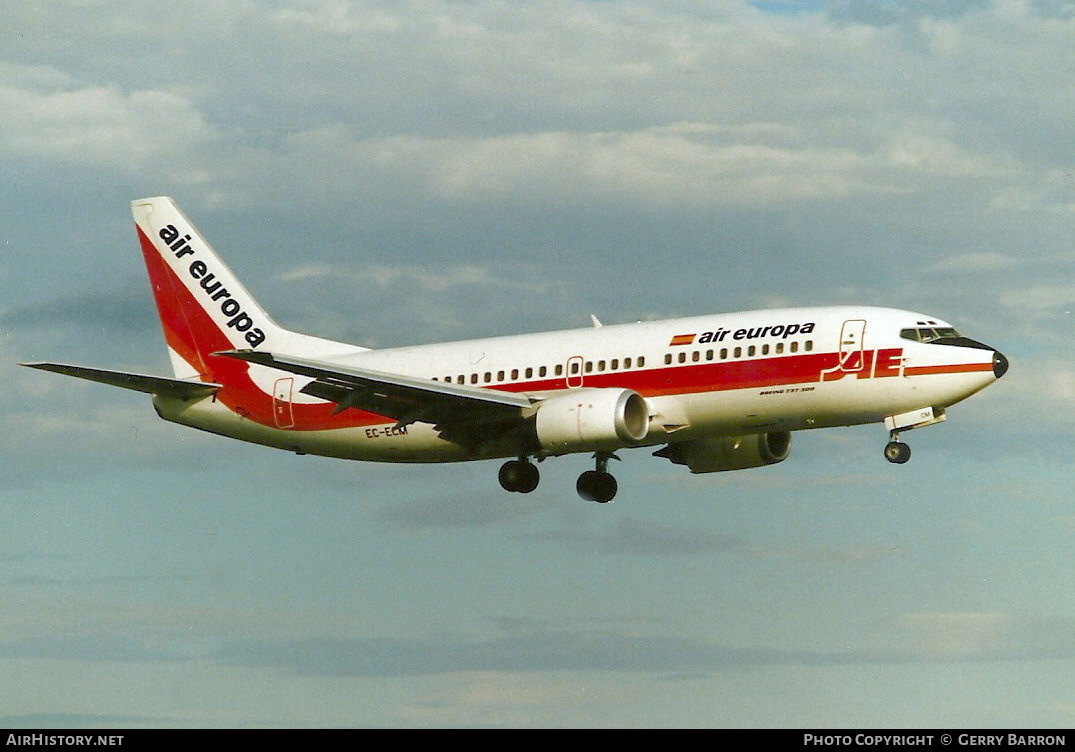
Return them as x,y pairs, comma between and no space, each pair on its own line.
591,420
729,452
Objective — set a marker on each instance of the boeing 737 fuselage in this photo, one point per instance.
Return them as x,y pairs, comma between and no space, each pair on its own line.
715,393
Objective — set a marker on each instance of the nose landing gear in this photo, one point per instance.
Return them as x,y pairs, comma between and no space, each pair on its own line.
598,485
896,451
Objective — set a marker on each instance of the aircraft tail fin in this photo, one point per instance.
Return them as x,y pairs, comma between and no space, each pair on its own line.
203,306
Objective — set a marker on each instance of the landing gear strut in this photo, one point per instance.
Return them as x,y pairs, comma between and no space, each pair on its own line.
895,450
520,476
598,485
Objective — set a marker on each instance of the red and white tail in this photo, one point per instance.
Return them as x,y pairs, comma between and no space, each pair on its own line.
203,307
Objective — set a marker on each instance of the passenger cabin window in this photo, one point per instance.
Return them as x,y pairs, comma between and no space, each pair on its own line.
626,362
641,360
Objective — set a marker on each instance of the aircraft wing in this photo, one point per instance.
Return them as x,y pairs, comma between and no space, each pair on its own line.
157,385
453,408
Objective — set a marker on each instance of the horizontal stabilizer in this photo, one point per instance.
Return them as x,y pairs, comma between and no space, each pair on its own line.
156,385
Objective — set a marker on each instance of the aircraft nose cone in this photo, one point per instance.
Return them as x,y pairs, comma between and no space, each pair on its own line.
1000,365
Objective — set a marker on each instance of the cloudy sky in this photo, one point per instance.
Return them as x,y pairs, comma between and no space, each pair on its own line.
398,173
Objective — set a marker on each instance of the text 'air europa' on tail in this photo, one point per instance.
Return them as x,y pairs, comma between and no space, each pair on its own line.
203,307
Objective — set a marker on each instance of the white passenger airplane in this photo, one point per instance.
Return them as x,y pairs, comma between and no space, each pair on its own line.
720,392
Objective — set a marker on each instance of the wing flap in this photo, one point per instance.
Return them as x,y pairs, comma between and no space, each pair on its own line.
156,385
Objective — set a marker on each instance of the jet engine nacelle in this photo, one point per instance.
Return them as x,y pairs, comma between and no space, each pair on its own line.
730,452
592,419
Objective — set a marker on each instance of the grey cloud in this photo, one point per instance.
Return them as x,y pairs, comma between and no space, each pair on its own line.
986,636
942,638
37,579
879,13
597,650
118,310
637,537
90,647
77,721
464,510
549,651
1055,9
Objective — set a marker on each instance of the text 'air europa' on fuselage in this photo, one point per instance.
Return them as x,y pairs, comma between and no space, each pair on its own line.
782,331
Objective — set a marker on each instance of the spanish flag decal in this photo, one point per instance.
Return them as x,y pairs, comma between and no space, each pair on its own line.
681,339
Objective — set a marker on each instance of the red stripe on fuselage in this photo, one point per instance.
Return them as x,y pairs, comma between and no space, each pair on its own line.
958,368
753,373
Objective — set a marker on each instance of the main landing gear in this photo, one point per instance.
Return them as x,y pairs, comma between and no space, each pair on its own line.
520,476
896,451
598,485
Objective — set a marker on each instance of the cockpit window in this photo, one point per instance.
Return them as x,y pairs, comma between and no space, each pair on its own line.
928,333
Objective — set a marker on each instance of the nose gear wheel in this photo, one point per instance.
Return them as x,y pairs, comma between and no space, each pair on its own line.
896,451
